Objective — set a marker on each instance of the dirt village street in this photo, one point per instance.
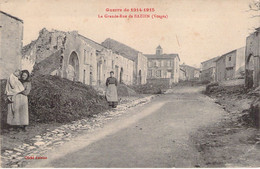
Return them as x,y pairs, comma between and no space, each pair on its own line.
130,84
165,132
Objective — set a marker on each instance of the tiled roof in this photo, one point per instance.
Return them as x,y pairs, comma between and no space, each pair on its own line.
162,56
11,16
183,66
121,49
92,43
212,59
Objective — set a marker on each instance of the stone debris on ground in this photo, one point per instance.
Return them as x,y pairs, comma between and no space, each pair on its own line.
232,142
41,143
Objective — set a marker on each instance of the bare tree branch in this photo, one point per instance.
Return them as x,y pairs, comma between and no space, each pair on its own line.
254,16
251,9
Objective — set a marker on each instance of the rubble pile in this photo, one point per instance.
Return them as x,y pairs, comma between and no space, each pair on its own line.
124,90
235,133
60,100
48,65
40,144
238,101
54,99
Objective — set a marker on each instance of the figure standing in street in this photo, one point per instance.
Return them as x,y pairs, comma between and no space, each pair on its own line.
13,86
111,92
18,114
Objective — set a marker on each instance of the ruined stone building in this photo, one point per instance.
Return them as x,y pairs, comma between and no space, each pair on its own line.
77,58
208,70
231,65
252,59
191,73
139,60
163,67
11,42
65,54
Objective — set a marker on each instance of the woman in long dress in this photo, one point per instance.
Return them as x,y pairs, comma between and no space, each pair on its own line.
18,115
111,93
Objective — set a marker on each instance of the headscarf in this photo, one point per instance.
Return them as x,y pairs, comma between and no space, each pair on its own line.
28,76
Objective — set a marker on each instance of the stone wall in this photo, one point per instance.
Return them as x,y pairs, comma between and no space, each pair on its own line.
164,82
176,70
141,72
233,82
11,41
208,74
122,67
240,63
252,60
221,69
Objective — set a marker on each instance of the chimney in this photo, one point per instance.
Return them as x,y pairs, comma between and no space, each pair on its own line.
159,50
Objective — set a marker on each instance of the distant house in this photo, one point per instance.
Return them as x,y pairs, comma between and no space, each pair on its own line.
182,75
252,60
208,70
163,66
231,65
191,73
11,42
140,61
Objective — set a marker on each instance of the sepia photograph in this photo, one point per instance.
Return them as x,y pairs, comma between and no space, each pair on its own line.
130,83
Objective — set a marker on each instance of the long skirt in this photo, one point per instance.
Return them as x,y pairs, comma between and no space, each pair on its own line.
18,111
111,95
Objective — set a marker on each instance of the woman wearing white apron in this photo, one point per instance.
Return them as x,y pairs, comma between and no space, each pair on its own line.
111,93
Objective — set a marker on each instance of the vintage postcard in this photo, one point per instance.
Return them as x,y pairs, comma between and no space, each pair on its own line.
130,83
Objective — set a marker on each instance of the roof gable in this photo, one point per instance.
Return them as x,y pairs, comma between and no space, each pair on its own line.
162,56
11,16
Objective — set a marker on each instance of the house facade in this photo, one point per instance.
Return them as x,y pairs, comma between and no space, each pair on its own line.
231,65
163,66
139,60
191,73
208,70
252,60
11,42
77,58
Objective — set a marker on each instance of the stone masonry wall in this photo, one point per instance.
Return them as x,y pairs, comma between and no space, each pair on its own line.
11,41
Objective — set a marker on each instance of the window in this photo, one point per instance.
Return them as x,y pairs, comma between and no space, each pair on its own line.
171,63
85,56
155,63
168,63
164,63
229,59
158,73
84,77
113,64
159,63
149,73
150,64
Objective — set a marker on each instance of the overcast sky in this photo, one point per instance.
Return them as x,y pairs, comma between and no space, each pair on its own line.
195,29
